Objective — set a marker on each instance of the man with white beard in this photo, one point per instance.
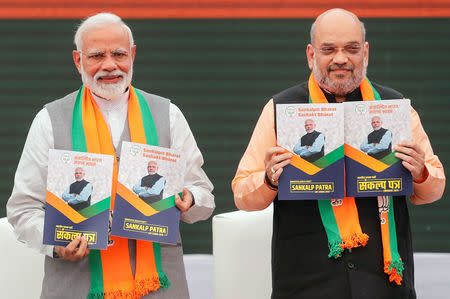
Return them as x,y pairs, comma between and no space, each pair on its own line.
340,248
378,144
311,145
78,194
150,188
105,111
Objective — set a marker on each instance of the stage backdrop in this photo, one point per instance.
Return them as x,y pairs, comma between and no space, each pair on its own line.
221,72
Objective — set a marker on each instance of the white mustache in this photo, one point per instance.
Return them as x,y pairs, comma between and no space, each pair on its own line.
113,73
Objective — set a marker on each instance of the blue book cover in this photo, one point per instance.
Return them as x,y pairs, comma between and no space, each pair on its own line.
149,178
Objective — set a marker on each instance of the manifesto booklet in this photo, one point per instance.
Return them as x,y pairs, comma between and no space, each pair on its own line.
314,135
78,198
149,178
372,129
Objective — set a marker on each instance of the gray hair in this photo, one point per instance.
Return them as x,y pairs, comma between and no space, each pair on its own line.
100,20
376,116
313,28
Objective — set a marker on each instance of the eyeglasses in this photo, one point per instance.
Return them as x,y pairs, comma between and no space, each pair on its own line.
95,57
352,49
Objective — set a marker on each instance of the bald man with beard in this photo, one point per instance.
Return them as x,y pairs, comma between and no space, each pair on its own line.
303,265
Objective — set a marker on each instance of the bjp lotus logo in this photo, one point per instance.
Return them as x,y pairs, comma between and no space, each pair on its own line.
65,158
135,149
290,111
360,108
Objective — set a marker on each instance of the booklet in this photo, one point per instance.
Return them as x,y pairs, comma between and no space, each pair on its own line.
149,178
314,135
78,198
372,129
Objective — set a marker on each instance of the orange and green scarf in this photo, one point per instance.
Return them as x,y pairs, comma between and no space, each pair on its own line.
340,216
110,270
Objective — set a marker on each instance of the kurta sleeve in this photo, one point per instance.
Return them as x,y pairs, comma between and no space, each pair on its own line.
432,188
249,187
25,207
195,179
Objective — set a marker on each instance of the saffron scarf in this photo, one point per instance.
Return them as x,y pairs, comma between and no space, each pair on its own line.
340,216
110,270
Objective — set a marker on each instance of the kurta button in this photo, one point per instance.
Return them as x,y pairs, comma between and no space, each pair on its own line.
351,265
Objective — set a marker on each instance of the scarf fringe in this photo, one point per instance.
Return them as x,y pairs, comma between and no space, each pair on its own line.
96,295
116,294
394,269
336,248
164,281
147,285
142,287
356,240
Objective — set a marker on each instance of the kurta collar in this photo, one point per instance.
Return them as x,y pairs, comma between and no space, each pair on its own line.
114,104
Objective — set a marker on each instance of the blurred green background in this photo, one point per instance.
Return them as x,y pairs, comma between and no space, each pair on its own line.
221,73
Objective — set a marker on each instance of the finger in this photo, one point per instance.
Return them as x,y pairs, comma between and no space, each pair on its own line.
59,250
83,246
277,174
408,158
71,247
187,198
414,171
274,150
187,195
182,207
405,145
80,250
414,167
408,166
179,203
282,157
274,178
281,164
271,152
177,199
275,170
87,251
406,150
